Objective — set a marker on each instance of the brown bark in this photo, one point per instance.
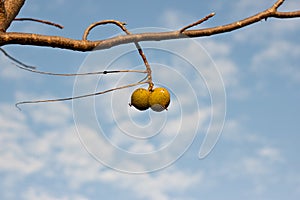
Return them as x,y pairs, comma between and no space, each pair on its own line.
86,45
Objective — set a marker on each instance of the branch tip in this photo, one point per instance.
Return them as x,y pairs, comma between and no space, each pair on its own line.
40,21
17,106
277,4
197,22
27,67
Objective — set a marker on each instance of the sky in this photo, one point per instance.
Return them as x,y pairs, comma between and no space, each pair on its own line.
231,130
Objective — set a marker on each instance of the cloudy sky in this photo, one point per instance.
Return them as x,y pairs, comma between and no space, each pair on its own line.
231,131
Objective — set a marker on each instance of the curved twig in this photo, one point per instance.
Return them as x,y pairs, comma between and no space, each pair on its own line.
138,46
103,22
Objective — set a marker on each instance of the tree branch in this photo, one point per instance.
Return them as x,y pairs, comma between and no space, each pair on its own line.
40,21
197,22
287,14
9,9
86,45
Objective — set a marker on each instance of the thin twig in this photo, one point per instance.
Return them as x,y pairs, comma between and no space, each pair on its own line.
138,46
142,54
110,21
148,68
197,22
39,21
277,4
78,97
79,74
26,67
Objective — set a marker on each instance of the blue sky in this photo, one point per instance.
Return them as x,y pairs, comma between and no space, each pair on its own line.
92,148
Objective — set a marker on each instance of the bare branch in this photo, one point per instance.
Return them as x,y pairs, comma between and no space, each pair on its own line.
287,14
85,45
40,21
197,22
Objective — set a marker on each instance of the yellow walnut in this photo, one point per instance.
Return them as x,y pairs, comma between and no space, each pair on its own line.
159,99
140,99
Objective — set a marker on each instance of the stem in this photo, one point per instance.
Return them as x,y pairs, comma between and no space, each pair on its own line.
138,46
148,68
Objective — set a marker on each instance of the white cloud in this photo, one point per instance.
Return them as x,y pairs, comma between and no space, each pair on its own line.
250,167
220,53
265,32
17,162
49,114
13,130
270,153
261,167
251,156
251,7
36,194
8,70
53,114
216,49
158,185
254,166
279,57
175,19
11,120
235,132
153,186
57,152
